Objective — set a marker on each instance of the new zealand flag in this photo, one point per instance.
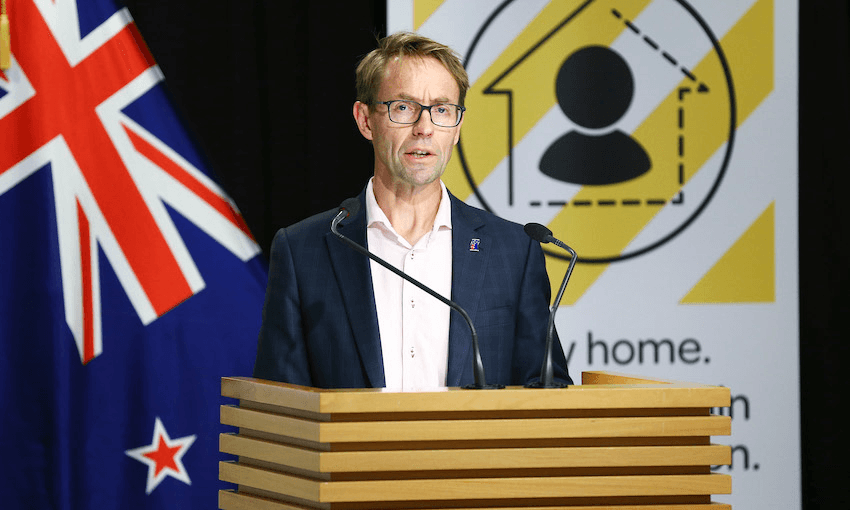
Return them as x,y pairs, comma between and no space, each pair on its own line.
129,283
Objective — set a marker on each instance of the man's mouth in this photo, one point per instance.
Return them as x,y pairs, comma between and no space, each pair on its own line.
419,154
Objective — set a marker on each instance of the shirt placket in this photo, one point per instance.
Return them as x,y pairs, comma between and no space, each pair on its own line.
411,312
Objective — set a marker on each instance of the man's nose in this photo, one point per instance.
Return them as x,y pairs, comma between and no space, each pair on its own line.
424,126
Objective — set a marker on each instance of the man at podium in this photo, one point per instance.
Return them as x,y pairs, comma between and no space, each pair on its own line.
333,318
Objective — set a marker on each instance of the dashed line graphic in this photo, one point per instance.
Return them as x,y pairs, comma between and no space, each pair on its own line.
650,42
680,198
683,94
610,169
656,47
683,91
604,202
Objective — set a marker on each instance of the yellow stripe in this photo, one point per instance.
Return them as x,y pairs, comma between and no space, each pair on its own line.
744,274
423,9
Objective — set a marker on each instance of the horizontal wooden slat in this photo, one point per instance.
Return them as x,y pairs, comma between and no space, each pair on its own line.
475,488
268,451
229,500
279,483
631,412
484,458
288,426
606,377
458,430
653,394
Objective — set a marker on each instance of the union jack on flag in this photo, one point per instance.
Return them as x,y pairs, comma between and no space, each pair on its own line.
129,283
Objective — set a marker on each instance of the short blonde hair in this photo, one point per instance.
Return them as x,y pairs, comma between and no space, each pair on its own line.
371,69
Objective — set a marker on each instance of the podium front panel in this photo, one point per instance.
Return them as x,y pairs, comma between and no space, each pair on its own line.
615,442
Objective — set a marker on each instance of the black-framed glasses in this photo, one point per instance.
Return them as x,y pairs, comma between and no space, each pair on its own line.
403,111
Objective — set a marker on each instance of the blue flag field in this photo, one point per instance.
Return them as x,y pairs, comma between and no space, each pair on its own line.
129,282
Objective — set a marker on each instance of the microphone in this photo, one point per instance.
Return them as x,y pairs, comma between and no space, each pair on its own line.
350,207
543,235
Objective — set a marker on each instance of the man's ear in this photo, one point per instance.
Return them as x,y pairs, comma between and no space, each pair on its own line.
361,117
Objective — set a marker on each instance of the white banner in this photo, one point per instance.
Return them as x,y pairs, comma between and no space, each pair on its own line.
658,138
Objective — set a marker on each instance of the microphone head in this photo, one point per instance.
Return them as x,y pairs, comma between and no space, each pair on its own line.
538,232
351,206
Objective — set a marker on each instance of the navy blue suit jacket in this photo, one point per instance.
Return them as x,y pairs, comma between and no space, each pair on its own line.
320,326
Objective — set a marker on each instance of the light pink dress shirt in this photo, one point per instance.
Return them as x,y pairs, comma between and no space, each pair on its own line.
414,326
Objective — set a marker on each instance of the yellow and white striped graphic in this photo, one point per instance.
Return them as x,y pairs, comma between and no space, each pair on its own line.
658,138
685,110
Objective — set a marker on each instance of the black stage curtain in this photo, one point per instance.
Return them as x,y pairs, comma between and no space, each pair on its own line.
824,165
268,86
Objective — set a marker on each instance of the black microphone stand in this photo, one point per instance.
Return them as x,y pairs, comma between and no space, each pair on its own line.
547,377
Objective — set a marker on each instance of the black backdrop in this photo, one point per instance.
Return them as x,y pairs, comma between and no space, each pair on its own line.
267,87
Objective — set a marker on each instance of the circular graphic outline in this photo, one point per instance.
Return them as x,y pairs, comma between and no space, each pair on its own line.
730,142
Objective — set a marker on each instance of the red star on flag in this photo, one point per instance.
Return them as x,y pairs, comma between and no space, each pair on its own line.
163,457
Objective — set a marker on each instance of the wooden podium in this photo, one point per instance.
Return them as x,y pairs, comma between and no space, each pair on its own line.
613,442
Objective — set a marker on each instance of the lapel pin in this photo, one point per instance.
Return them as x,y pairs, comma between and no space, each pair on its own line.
474,244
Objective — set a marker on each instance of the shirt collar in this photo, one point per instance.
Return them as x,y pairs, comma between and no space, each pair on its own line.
375,215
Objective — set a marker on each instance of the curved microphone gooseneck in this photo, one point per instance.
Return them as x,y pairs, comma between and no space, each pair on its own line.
543,235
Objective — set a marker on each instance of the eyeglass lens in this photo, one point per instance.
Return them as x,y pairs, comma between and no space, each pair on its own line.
408,112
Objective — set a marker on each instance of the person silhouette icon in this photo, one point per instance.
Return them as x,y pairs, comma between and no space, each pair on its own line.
594,88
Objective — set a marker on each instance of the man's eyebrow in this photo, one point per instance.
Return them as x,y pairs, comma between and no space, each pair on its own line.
439,100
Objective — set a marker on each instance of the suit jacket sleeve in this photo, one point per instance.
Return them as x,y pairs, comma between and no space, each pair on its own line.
532,322
281,349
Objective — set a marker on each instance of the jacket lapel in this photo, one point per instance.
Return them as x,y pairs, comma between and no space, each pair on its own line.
354,275
468,270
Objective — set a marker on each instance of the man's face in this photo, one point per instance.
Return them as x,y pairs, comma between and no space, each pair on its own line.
413,154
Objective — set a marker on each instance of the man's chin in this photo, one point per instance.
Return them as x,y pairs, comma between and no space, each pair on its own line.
420,178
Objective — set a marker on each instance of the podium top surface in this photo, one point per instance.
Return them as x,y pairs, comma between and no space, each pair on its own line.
600,390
